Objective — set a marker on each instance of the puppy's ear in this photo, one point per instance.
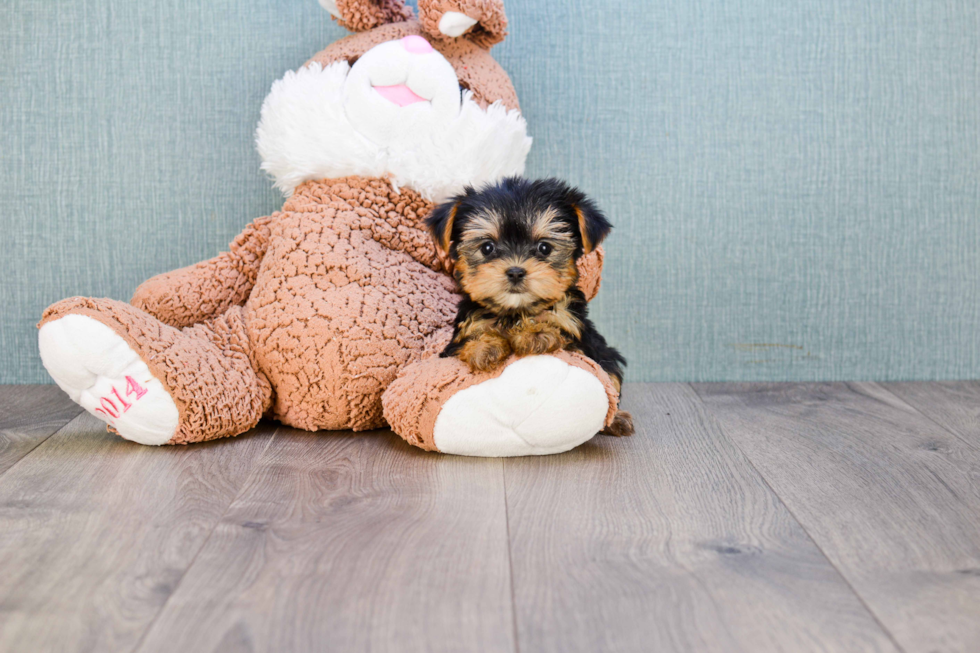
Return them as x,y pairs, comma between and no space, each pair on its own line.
440,223
593,226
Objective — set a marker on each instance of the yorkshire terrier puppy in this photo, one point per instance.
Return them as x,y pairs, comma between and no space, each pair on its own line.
513,247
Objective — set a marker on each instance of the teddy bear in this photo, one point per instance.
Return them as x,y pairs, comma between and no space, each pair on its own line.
329,313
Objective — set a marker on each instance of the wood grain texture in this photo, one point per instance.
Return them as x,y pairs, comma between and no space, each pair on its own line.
345,542
954,405
891,498
669,541
96,532
29,414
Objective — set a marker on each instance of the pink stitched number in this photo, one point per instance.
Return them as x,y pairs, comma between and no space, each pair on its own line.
132,387
126,406
109,408
112,412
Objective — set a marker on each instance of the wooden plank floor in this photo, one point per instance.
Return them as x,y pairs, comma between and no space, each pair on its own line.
740,517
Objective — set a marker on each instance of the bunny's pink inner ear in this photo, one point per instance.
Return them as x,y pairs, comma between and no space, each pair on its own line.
481,21
362,15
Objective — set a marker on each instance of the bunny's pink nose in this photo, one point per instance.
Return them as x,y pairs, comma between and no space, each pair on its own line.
416,44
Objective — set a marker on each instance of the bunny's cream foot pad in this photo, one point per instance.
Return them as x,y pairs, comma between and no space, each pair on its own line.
538,405
101,373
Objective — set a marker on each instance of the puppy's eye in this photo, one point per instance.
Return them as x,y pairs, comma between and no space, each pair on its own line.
544,249
487,248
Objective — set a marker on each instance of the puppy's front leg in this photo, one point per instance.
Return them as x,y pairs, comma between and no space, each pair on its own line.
485,351
534,338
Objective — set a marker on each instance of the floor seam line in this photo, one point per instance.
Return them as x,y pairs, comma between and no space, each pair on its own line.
510,558
954,433
43,440
204,544
782,502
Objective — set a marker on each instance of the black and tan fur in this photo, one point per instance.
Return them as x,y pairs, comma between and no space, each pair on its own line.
514,248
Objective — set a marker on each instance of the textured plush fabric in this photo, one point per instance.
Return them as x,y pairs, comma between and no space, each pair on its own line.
347,296
800,174
361,15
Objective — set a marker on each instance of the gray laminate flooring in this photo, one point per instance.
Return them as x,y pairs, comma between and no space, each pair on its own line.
740,517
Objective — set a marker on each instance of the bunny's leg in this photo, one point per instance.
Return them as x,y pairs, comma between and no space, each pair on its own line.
152,383
529,406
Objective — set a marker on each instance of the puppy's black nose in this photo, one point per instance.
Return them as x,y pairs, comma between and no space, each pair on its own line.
516,274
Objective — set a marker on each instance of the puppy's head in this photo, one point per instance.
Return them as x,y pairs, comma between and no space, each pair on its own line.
514,244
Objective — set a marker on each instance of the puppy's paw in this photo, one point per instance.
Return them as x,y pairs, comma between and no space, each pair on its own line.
536,338
622,425
485,352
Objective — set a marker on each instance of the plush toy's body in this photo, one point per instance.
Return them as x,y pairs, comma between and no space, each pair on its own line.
327,314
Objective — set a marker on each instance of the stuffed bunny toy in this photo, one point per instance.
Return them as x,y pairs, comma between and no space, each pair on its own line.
329,313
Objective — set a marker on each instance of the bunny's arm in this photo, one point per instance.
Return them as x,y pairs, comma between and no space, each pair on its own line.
193,294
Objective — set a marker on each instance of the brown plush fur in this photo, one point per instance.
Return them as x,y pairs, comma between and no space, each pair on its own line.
363,15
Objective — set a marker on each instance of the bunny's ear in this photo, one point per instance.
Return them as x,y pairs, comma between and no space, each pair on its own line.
362,15
481,21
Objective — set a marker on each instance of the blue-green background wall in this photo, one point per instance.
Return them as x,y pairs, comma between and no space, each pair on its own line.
795,184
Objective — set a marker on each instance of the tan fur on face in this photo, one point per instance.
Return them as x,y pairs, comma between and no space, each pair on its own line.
548,226
546,281
488,284
482,226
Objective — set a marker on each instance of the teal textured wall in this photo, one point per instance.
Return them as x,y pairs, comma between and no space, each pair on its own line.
796,185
